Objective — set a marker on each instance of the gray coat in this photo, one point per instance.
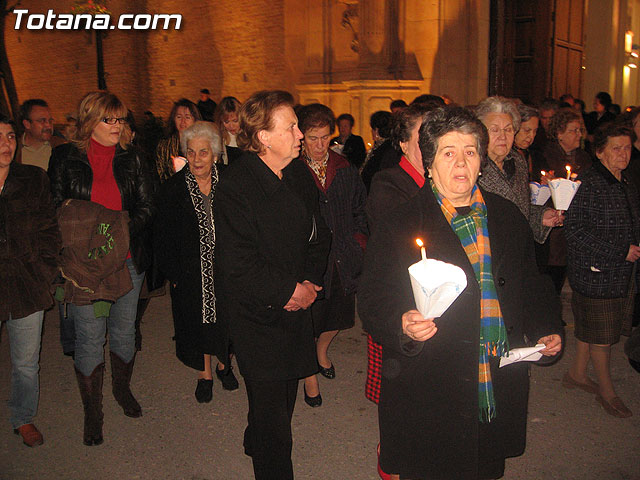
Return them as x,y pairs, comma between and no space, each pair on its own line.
516,190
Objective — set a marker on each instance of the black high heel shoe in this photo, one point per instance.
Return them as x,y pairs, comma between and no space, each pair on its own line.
313,402
329,373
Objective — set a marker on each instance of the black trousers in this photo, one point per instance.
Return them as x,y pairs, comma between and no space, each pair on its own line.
267,438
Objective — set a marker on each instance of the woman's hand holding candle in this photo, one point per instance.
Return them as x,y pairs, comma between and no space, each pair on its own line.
416,327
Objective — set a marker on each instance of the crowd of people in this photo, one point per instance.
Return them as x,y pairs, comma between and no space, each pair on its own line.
266,228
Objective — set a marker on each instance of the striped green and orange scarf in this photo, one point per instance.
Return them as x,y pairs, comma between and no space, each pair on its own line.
472,231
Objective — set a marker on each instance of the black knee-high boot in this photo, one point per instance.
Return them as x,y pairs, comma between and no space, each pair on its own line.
121,384
91,393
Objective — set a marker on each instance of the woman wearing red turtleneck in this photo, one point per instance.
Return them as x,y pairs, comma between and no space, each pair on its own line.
97,167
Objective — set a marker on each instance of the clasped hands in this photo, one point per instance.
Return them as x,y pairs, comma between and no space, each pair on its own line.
303,296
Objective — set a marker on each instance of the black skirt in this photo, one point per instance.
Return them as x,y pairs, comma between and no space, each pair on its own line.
336,311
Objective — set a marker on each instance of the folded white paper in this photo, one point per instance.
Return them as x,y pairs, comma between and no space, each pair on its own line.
539,193
525,354
435,286
562,192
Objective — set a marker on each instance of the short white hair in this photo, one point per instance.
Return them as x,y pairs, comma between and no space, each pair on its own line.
499,105
206,130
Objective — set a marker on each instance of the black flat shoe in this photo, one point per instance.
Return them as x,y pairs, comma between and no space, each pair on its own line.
229,380
329,373
313,402
204,390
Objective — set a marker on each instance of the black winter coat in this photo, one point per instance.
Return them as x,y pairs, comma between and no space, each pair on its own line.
176,242
601,223
71,177
428,409
265,243
342,201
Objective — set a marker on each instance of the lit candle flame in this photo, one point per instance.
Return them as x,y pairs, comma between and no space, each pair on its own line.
543,173
568,172
423,250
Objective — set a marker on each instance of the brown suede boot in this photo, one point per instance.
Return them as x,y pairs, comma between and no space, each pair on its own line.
120,381
91,393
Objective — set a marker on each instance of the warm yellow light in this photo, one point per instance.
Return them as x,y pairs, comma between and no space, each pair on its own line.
419,242
628,41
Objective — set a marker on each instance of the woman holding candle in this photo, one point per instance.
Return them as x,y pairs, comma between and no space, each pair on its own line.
438,417
603,229
563,157
342,196
507,174
272,249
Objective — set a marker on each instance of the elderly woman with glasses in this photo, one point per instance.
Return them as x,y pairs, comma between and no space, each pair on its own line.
446,410
507,173
563,149
184,242
100,167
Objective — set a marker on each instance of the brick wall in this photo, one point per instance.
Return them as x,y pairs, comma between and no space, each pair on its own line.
232,47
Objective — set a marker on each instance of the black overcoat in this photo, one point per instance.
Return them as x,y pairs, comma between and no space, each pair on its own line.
428,409
266,242
342,201
176,242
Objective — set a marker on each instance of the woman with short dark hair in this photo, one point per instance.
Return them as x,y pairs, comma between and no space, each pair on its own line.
272,247
382,154
347,143
446,409
561,150
342,196
603,229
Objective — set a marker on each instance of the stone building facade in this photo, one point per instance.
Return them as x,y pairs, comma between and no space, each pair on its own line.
356,56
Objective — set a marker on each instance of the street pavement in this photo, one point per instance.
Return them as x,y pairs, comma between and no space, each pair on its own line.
569,434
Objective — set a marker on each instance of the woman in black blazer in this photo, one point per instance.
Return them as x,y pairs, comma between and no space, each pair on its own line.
272,248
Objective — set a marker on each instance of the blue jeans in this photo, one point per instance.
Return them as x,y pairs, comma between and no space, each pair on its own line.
121,324
24,343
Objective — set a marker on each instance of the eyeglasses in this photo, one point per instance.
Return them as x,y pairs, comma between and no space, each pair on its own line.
496,131
113,120
576,131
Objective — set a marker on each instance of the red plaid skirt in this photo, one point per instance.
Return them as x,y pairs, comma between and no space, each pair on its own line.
374,365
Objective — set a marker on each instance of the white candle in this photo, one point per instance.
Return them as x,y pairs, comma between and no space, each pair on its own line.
568,172
423,250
